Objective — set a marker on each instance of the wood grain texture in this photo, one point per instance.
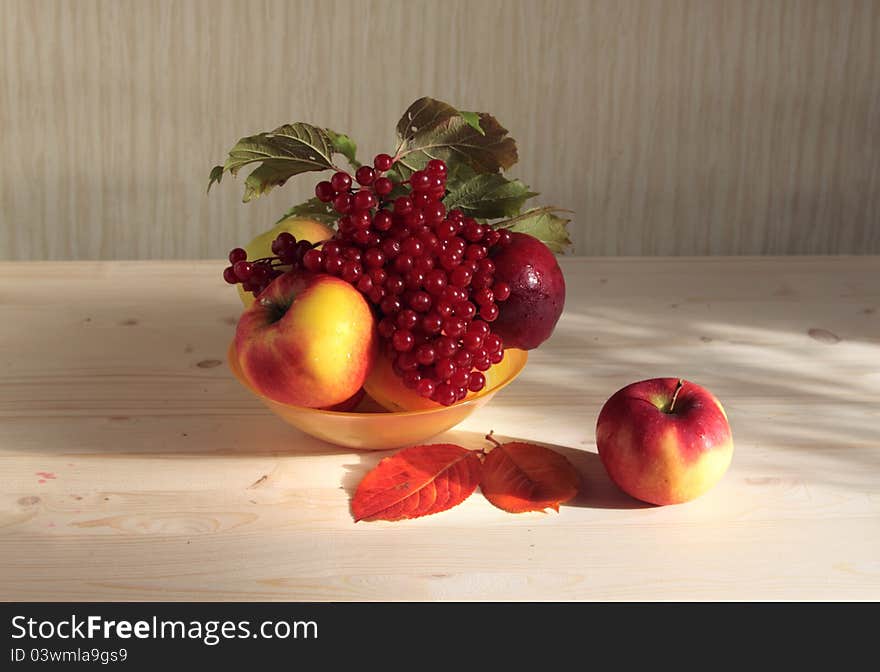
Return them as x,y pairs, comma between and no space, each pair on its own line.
669,127
134,467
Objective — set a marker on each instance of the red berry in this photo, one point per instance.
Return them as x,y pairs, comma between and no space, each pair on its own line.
406,319
382,162
325,191
342,204
394,284
351,271
476,381
465,310
436,167
493,343
445,346
313,260
435,282
340,181
491,237
420,180
432,323
391,248
412,246
463,359
403,263
390,305
373,258
332,248
444,308
382,220
459,378
230,276
444,394
484,296
501,290
412,379
360,219
460,276
243,269
444,368
237,254
403,340
426,388
364,200
421,200
475,252
383,186
489,312
425,354
365,175
402,205
333,265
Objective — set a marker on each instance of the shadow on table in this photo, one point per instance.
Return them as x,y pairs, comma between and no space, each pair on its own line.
597,491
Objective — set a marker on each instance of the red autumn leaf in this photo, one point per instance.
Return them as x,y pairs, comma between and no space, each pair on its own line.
416,482
519,477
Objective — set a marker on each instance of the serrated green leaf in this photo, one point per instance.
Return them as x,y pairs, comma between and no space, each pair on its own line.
287,151
544,225
314,209
343,144
432,129
490,195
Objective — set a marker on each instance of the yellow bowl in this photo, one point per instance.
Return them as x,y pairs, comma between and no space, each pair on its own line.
373,428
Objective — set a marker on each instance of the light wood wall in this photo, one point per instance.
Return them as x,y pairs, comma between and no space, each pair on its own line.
728,127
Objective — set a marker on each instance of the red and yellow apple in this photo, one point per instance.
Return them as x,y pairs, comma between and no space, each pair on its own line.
664,440
308,340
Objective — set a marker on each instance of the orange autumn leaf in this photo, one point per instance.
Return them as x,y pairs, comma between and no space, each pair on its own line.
519,477
416,482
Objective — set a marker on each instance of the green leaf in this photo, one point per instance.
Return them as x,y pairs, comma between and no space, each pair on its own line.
287,151
313,209
216,176
432,129
473,120
544,225
490,195
342,144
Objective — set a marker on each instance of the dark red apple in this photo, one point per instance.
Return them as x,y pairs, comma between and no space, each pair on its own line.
537,292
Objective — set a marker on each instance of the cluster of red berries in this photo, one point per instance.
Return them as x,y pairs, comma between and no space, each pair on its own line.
257,274
427,272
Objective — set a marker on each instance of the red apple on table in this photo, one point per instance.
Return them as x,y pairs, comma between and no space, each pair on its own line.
664,440
307,340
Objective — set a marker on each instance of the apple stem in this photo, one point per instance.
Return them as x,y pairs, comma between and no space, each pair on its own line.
491,439
675,395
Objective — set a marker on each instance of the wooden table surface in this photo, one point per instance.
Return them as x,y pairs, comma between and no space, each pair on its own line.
134,467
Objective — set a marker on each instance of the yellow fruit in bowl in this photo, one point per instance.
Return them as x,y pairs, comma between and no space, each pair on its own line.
387,389
301,228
